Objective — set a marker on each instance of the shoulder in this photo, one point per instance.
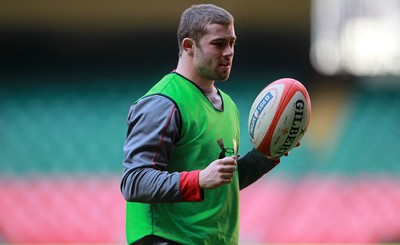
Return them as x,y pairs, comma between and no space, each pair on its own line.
225,95
154,109
228,101
152,104
166,82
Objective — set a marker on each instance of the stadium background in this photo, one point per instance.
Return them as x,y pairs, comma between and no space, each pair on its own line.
70,70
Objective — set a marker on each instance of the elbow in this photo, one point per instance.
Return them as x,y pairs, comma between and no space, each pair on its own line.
125,193
127,190
130,195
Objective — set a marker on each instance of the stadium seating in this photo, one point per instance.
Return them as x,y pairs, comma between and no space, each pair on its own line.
61,153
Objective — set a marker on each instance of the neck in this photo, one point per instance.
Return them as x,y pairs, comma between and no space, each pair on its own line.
186,68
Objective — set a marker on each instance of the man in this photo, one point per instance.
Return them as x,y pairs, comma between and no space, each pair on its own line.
182,174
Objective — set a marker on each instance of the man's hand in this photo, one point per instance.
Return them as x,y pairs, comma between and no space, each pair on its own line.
297,145
218,173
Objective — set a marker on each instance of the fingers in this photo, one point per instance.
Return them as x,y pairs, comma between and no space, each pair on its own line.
297,145
228,160
227,169
227,177
227,166
218,173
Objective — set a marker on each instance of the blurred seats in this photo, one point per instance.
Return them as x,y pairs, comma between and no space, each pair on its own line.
61,154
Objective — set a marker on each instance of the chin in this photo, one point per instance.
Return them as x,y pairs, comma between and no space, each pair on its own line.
224,76
219,76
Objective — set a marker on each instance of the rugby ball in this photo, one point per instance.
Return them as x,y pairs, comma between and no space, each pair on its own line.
279,117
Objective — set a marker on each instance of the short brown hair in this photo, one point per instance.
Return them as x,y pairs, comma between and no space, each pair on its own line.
195,19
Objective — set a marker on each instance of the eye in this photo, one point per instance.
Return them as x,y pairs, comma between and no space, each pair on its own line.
219,44
223,43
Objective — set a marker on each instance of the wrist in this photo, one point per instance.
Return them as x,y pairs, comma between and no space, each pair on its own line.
189,185
276,161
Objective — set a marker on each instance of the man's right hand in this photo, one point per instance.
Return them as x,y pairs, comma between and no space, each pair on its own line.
218,173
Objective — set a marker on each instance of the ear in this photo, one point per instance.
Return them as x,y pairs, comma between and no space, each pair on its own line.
188,45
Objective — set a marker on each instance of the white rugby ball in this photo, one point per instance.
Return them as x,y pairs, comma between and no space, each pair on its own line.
279,117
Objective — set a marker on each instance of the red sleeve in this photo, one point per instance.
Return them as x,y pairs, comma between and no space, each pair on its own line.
189,186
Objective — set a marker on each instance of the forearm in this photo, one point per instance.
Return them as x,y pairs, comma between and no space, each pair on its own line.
150,185
252,167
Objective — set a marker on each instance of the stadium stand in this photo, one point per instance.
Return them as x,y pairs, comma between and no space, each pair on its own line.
61,152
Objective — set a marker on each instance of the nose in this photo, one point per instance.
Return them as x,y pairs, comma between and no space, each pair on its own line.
229,51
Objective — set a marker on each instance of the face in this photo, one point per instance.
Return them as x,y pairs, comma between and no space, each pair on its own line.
213,54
